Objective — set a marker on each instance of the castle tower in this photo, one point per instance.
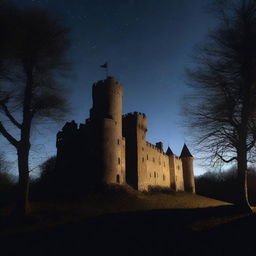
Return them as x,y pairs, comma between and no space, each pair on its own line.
176,173
106,116
188,171
171,157
134,130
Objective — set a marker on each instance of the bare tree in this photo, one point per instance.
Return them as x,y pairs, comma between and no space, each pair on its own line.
222,109
32,59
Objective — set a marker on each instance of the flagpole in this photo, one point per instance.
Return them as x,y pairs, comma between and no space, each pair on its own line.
107,71
105,66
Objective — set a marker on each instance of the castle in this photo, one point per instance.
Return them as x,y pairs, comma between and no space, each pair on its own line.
112,148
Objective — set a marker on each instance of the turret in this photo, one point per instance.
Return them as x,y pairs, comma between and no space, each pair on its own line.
106,116
176,173
160,146
169,152
188,171
107,101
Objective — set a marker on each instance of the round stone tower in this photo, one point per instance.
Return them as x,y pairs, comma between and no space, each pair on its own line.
188,170
106,114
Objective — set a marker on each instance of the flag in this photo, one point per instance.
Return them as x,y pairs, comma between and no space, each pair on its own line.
105,65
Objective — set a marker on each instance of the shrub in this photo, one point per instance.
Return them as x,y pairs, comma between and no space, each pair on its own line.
223,185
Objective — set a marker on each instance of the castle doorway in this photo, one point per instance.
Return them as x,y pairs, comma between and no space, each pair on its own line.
117,178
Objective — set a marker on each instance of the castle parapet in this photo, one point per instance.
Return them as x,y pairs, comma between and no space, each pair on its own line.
69,127
68,131
135,113
135,118
155,147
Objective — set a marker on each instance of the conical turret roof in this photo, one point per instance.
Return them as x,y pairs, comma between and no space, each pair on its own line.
185,152
169,152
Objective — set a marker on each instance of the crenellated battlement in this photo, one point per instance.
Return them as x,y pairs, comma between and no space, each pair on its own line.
154,147
135,119
110,83
134,114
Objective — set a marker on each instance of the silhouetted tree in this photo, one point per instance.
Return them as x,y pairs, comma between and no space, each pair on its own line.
32,53
223,108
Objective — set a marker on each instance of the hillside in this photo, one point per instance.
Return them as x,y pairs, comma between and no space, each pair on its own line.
113,200
128,221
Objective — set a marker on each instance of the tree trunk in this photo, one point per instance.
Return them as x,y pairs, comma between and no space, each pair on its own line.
24,146
23,196
242,148
243,201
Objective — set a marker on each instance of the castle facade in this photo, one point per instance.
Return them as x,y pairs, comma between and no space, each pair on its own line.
112,148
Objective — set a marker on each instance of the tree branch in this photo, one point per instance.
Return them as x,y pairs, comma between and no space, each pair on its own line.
7,112
10,116
225,160
8,136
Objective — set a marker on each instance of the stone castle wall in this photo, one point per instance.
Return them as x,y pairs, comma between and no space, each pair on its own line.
157,165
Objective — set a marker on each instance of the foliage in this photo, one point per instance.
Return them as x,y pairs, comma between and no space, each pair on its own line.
223,185
4,164
48,168
6,181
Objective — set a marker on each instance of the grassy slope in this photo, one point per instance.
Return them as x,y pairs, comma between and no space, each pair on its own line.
50,213
122,201
134,223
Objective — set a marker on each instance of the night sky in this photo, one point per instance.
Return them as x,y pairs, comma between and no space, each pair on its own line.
148,45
